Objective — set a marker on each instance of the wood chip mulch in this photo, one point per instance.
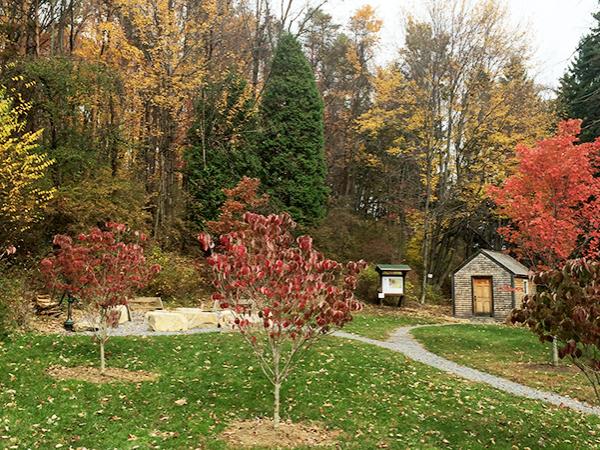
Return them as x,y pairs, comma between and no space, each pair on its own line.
262,433
93,374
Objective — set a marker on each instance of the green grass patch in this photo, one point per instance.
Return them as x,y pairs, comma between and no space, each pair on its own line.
379,325
512,352
376,397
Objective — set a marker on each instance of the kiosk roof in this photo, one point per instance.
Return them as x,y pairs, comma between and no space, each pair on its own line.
392,268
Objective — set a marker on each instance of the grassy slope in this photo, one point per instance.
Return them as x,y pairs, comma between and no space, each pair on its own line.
514,353
375,396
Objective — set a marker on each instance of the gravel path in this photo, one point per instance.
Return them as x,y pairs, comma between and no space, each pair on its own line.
403,342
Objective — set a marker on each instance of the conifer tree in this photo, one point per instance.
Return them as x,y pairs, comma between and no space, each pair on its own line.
579,91
291,141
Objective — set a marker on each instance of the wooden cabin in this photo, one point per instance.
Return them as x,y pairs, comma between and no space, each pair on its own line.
489,284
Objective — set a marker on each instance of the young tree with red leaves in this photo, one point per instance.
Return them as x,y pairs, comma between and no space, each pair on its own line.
101,270
299,294
553,199
568,307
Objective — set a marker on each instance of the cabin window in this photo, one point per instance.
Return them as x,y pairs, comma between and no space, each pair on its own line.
525,287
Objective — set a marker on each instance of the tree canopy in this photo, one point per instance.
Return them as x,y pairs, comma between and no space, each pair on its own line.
291,139
553,199
579,91
23,195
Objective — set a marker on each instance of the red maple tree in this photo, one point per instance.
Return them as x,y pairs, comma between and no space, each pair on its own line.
101,270
553,199
299,294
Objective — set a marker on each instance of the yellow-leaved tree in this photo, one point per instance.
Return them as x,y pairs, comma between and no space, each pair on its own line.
22,168
159,49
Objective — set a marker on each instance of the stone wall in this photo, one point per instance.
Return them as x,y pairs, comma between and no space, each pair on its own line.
481,265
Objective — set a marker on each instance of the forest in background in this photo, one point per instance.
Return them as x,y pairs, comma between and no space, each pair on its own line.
141,112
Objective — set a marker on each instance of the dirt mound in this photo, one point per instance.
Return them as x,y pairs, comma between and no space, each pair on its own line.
93,375
263,433
547,367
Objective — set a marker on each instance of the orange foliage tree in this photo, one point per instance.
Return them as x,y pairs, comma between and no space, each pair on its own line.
553,199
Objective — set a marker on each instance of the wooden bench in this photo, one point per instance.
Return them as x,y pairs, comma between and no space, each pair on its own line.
46,305
145,304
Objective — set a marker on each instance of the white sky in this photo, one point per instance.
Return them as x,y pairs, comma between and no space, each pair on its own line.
555,27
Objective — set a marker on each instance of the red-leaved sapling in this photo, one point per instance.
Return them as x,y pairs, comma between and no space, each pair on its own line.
298,294
101,270
566,305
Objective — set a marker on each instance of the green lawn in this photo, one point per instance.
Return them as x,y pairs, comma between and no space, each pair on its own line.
379,325
378,398
511,352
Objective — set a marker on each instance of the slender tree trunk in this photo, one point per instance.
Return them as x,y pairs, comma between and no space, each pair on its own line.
203,129
72,27
554,352
102,337
37,28
60,34
256,49
277,386
426,248
425,268
102,359
276,417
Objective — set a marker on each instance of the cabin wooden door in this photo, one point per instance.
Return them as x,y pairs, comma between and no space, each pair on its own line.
482,296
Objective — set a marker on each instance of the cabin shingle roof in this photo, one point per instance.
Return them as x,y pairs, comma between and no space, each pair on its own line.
508,262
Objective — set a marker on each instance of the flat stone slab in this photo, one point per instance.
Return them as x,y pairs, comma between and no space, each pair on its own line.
167,321
124,316
226,317
84,325
199,319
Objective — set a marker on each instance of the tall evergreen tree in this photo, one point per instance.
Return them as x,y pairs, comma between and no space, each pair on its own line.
291,142
579,91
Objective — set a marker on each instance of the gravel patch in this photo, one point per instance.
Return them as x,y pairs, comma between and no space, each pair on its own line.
402,341
138,326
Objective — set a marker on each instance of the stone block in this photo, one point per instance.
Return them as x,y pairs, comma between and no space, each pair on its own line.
226,316
199,319
166,321
93,325
84,325
124,313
